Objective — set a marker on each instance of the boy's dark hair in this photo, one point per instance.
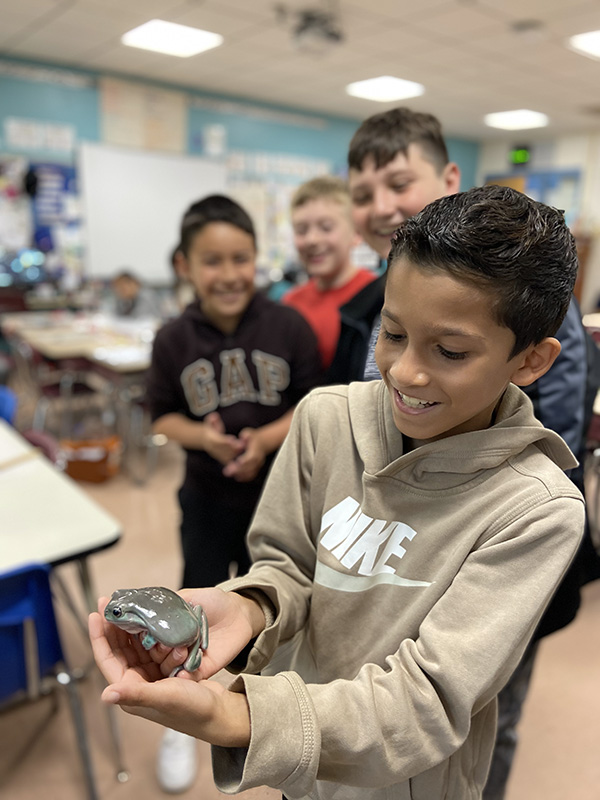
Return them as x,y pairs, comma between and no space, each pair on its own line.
501,240
214,208
384,135
126,274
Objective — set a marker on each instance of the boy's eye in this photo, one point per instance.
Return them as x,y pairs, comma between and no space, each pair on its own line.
451,354
392,337
361,199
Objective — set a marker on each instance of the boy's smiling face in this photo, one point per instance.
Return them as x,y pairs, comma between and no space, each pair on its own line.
442,355
221,266
383,197
324,238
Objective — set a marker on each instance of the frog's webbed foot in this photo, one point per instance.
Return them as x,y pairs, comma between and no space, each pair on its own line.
148,641
194,658
203,621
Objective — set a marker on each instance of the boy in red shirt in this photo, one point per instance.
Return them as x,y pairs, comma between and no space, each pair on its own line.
324,237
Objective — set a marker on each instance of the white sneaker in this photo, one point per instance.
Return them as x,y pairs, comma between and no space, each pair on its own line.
176,765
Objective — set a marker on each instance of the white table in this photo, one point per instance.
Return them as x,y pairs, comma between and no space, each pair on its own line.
44,516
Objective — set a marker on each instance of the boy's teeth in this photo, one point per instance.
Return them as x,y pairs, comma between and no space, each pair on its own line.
413,402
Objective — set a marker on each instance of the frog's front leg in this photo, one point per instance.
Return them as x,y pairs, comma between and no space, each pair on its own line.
148,641
194,658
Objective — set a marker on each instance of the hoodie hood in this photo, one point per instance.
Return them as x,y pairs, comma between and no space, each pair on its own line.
515,429
194,310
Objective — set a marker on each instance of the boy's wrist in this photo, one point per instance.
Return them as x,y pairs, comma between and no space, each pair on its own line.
236,720
253,612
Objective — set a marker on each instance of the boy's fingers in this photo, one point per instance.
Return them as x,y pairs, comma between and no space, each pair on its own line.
104,656
167,659
159,698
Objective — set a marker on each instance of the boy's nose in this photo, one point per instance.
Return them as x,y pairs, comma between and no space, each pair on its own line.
408,370
311,236
228,272
384,204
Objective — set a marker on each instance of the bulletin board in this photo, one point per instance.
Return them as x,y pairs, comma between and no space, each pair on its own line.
133,201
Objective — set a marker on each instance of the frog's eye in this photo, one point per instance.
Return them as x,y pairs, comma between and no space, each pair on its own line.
117,612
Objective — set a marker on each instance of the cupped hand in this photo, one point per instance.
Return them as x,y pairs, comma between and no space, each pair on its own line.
233,621
138,683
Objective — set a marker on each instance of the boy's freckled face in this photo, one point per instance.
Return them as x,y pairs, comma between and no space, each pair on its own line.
441,353
384,197
324,237
221,266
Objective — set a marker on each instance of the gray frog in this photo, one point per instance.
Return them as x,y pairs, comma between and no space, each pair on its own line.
162,616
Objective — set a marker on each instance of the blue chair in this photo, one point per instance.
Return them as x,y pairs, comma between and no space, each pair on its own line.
8,404
33,662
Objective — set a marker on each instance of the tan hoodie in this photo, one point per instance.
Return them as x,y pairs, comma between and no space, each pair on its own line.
411,583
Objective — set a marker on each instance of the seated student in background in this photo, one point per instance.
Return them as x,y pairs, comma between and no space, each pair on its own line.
131,299
324,238
224,380
397,163
411,532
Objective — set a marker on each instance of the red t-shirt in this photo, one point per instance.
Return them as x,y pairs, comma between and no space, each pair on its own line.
320,308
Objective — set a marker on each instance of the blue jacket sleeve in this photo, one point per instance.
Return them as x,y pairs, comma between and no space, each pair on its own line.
559,395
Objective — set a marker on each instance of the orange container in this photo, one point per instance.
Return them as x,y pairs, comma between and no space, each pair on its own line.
93,460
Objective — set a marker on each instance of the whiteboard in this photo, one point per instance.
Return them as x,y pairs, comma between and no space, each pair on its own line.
133,202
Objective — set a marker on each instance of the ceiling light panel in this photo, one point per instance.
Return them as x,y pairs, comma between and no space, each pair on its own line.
518,120
385,89
587,44
171,38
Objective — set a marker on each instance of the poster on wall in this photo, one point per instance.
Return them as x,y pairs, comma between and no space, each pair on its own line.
135,115
16,226
57,229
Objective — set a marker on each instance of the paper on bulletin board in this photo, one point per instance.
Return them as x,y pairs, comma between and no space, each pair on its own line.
134,115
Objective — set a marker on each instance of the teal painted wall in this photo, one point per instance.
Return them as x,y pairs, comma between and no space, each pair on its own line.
77,103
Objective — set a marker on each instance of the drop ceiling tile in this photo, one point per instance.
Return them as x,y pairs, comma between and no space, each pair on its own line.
459,21
573,23
398,8
533,9
214,19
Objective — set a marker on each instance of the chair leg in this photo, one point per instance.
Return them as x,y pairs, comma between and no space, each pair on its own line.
86,585
66,680
39,414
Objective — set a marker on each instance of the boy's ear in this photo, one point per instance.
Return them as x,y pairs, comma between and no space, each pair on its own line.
451,176
182,267
536,361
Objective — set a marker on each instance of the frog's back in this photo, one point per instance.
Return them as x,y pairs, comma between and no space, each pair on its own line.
178,623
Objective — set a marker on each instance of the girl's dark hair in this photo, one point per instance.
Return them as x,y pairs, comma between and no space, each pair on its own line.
499,239
214,208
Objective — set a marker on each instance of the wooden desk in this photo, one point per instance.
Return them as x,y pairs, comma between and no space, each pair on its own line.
120,345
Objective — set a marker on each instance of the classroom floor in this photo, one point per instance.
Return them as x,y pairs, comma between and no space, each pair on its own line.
557,758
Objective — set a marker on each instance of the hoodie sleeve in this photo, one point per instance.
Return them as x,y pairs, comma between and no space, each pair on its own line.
394,722
162,384
558,397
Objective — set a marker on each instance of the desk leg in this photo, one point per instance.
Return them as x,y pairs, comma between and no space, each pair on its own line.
86,584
